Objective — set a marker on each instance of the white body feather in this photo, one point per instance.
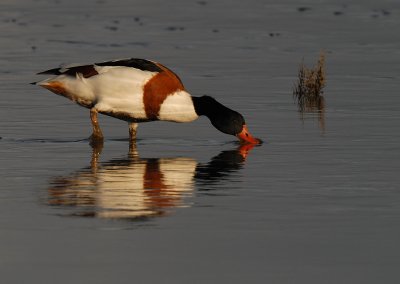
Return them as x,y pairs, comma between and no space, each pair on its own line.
118,91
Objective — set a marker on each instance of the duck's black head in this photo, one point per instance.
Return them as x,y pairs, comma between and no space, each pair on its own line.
224,119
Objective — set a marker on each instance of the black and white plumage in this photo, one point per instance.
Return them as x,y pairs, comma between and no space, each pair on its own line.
139,90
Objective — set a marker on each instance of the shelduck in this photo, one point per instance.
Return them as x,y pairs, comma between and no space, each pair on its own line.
138,90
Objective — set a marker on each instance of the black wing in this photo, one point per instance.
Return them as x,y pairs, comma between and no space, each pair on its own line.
141,64
86,71
89,70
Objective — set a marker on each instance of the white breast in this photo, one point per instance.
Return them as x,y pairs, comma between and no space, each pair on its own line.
178,107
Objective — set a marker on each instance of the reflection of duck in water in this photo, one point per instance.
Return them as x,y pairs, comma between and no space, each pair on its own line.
134,187
221,166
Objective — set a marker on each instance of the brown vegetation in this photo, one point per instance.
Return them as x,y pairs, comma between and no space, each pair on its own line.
309,89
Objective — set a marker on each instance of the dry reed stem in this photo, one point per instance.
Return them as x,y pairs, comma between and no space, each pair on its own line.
309,88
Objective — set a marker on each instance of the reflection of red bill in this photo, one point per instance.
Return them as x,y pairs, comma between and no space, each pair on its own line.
244,149
246,137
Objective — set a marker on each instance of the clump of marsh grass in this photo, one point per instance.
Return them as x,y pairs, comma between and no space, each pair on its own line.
310,86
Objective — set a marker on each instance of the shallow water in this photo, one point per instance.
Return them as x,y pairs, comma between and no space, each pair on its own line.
317,203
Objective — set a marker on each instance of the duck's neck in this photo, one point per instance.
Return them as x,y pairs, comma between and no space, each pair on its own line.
209,107
224,119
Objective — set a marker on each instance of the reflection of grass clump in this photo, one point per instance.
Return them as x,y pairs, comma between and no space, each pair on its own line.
309,88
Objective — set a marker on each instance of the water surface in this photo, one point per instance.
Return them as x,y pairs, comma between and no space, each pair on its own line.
317,203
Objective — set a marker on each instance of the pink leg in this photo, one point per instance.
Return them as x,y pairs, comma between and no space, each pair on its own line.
97,135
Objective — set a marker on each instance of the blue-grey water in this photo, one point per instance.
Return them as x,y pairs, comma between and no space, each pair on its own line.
319,202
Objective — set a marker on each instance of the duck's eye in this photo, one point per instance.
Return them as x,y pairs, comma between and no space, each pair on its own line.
247,134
